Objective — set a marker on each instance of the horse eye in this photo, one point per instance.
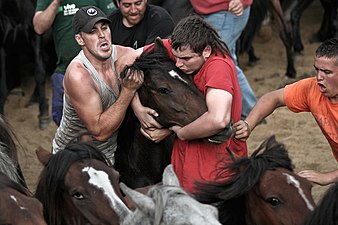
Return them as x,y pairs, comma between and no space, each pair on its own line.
273,201
78,195
163,90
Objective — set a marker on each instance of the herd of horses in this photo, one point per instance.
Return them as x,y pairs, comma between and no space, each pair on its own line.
78,186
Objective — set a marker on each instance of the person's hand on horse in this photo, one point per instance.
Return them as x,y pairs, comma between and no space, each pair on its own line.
155,134
236,7
318,177
243,130
133,80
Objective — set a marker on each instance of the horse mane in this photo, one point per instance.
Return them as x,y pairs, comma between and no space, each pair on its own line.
9,152
50,186
228,194
6,182
326,212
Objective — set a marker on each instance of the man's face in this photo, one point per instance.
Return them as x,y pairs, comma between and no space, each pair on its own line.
327,76
98,41
187,60
132,11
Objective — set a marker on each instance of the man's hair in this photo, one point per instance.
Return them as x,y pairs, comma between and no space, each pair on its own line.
328,49
193,31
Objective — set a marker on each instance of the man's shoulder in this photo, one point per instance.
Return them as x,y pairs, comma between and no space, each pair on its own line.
158,12
115,14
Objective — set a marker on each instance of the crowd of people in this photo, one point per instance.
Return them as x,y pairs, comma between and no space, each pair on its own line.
94,42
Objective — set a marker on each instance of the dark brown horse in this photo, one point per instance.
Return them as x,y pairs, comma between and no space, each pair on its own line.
18,205
78,187
174,96
263,190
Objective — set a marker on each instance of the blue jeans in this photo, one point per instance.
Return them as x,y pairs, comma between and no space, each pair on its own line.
230,28
57,97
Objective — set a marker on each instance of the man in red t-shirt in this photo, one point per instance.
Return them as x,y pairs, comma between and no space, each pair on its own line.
198,50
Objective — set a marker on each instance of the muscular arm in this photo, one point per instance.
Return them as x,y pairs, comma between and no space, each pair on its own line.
43,20
83,94
213,121
263,108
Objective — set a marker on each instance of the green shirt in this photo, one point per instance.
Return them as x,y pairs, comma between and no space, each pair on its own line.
65,45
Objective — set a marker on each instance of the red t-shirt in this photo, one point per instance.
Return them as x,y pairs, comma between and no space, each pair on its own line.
304,96
212,6
197,160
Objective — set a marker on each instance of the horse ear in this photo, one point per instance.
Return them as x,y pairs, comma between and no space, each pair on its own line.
169,176
141,201
43,155
159,46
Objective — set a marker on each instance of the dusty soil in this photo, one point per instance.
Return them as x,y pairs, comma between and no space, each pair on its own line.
307,146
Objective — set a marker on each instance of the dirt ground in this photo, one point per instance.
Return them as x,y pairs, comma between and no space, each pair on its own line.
307,146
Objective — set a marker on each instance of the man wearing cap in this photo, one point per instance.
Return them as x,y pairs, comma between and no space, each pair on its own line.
95,98
58,15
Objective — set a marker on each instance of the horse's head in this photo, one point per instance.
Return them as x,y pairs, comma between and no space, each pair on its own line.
168,203
17,204
167,89
77,183
262,188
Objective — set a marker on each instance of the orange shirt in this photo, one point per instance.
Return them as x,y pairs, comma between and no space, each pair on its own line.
304,96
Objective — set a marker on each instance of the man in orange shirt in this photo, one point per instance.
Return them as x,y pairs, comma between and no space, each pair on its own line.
318,95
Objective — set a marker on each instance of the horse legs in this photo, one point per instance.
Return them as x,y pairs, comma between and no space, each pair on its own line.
3,81
40,80
327,29
285,35
296,14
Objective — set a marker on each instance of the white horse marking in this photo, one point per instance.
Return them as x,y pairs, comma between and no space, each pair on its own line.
292,180
16,202
173,74
100,179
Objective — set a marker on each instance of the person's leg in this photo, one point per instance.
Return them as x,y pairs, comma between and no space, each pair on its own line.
57,97
230,28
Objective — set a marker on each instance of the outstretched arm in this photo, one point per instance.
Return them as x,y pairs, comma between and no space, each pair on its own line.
264,107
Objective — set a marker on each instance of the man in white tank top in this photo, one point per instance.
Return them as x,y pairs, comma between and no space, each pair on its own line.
96,99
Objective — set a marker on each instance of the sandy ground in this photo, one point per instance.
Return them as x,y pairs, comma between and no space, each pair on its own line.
307,146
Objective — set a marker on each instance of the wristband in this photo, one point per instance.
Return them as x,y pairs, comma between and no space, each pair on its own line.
248,125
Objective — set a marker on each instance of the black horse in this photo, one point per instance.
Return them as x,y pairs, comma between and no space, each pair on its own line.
19,46
326,213
327,30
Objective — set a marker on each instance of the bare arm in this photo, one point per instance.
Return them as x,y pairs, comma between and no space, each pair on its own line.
83,94
320,178
264,107
211,122
43,20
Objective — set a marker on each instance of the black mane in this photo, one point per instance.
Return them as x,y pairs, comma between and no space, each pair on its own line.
52,177
229,195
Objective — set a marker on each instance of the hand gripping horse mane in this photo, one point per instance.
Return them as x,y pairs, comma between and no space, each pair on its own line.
263,190
178,102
